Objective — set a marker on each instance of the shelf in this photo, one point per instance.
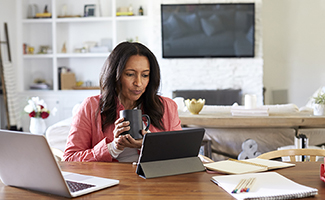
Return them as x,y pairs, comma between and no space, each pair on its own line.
131,18
86,88
74,32
83,19
33,56
82,55
34,21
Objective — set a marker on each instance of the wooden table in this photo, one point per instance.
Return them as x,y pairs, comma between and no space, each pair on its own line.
187,186
226,120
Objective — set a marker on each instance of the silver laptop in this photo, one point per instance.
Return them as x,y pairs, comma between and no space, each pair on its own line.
26,161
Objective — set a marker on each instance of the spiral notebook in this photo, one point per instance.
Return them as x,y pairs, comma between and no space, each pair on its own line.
268,185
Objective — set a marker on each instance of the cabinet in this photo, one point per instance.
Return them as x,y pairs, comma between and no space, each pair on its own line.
104,28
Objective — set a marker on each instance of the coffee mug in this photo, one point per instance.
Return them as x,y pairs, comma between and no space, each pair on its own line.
136,124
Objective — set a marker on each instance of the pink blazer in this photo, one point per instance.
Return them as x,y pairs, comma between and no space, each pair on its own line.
87,141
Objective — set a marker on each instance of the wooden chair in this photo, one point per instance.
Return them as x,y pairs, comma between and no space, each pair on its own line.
293,153
205,159
58,154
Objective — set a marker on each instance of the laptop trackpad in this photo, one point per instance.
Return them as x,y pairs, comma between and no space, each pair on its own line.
73,176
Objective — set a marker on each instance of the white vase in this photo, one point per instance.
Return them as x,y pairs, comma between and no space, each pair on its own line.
37,126
319,109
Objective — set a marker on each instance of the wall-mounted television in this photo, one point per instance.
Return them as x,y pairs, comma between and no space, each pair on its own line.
208,30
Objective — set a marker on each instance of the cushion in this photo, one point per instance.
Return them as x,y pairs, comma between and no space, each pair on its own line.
57,134
227,142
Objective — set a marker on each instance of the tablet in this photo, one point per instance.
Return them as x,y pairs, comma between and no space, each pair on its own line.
171,146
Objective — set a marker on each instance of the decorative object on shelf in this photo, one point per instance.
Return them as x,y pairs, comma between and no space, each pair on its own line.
44,49
45,14
64,13
64,9
40,84
68,81
45,9
25,48
194,106
130,9
88,84
64,48
80,50
124,11
32,10
37,111
319,104
79,83
89,44
89,10
30,50
141,11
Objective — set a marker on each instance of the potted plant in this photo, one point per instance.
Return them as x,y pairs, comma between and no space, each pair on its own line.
319,104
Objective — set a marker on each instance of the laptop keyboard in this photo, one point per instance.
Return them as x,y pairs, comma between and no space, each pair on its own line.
75,186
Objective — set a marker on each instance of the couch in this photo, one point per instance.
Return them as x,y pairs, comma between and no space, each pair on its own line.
230,142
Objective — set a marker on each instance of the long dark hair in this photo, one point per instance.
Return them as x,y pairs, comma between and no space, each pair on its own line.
110,84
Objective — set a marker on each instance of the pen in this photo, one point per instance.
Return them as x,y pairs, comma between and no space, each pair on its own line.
241,182
248,185
243,189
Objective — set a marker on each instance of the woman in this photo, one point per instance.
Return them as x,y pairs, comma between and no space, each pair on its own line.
129,79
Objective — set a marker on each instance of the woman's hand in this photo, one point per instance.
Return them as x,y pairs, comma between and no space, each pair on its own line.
120,127
129,141
122,141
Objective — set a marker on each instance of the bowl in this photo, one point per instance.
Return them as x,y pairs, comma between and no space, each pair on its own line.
194,106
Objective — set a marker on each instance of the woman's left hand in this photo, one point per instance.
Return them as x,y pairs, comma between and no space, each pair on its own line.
129,141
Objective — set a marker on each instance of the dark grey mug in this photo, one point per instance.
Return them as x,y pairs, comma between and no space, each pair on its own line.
136,124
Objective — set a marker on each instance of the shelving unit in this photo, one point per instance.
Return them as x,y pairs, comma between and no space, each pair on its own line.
73,31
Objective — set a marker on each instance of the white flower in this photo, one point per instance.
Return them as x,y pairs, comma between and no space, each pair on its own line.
28,108
37,108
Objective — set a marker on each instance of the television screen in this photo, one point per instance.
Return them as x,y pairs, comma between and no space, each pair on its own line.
208,30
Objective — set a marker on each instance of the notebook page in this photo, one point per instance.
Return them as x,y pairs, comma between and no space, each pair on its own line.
267,185
233,167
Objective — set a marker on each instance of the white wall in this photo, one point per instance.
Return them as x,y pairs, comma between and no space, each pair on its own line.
293,46
293,41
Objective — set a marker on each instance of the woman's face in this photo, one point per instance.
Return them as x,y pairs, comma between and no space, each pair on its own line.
134,80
